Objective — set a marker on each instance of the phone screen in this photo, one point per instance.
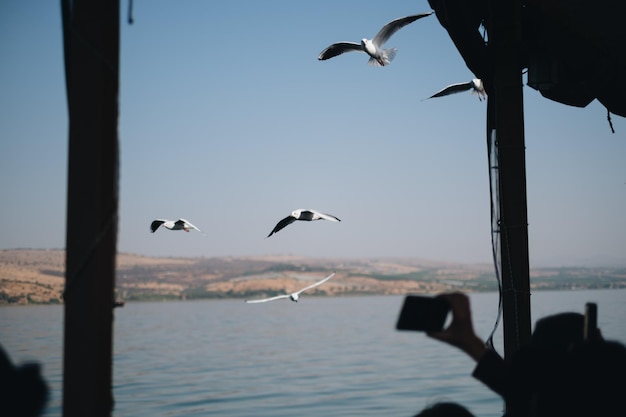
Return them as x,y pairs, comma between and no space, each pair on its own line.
422,313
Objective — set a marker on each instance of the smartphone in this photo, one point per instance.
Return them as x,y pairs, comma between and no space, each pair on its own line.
423,313
591,320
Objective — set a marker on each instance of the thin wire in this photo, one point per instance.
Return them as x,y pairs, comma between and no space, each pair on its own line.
608,117
514,289
495,222
498,229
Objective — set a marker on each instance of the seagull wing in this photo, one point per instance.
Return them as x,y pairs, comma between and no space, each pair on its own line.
338,49
316,284
282,224
453,89
186,223
318,215
392,27
156,224
264,300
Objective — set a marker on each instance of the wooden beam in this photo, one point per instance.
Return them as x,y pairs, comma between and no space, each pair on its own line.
505,44
91,44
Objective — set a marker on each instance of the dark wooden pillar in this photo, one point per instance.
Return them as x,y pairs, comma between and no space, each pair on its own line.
91,46
508,111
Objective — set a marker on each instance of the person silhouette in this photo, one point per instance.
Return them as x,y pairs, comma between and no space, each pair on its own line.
445,409
557,332
586,379
23,391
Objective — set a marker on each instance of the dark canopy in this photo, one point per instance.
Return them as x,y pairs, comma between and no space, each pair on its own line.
574,50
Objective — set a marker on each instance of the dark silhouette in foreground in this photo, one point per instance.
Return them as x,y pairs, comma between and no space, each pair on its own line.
567,369
445,409
585,380
23,391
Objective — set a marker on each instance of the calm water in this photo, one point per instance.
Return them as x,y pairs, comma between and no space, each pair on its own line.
322,356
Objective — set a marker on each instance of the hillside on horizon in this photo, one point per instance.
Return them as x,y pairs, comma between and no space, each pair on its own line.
37,276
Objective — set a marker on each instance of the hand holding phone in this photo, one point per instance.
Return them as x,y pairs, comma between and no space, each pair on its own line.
422,313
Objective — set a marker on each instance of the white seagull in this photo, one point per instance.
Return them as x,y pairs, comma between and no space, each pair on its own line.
374,48
475,86
294,295
180,224
302,214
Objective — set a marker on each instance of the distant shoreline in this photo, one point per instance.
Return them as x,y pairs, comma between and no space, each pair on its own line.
33,276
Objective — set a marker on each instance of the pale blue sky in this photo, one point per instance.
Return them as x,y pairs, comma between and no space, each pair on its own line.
228,119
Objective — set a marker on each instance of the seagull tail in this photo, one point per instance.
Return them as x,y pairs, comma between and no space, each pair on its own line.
389,55
373,62
480,93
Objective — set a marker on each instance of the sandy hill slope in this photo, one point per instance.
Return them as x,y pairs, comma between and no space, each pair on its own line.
29,276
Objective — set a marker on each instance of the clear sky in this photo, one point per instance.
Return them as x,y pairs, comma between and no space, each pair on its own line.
228,119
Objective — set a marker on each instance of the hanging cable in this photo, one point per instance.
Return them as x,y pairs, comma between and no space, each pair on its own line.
608,117
494,187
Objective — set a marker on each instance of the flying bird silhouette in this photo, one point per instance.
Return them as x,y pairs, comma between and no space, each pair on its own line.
180,224
374,47
302,214
294,296
475,87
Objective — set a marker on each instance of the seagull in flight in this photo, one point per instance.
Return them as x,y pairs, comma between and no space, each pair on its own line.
180,224
294,295
302,214
374,48
475,87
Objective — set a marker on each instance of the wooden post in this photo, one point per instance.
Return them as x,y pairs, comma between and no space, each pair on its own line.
504,44
498,62
91,44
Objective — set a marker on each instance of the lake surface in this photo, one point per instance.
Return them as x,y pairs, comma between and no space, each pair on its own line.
322,356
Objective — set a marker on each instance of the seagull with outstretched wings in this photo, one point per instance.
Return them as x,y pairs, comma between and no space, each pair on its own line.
302,214
474,86
374,47
180,224
294,296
